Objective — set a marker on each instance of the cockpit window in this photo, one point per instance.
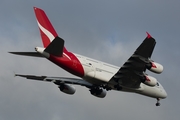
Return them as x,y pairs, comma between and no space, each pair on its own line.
157,84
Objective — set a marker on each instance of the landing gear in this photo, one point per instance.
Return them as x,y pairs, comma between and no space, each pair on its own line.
158,103
118,87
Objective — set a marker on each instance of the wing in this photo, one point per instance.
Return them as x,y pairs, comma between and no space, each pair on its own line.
58,80
129,75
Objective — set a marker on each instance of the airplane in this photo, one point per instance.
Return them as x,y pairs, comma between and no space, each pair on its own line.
97,76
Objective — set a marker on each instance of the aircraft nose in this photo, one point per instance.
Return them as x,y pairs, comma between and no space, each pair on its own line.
164,94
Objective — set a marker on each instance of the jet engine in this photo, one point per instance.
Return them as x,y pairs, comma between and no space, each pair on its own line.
67,89
155,67
149,80
98,92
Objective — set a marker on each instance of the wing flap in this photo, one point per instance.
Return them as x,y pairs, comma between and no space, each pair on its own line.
58,80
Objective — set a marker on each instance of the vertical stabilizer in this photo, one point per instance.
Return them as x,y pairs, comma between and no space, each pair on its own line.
47,31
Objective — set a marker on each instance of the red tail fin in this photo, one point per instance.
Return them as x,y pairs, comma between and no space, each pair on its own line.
47,31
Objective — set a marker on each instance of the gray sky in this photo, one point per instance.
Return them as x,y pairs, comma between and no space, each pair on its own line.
106,30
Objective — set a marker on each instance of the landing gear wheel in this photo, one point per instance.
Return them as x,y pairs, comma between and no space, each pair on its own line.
158,104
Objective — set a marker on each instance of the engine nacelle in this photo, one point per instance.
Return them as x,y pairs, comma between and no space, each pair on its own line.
149,80
155,67
101,93
67,89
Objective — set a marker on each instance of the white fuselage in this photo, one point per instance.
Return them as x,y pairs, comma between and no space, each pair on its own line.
98,72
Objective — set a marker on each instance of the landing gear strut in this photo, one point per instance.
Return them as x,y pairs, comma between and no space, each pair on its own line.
118,87
158,103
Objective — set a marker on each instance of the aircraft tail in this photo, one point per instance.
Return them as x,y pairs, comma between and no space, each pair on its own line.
47,31
53,44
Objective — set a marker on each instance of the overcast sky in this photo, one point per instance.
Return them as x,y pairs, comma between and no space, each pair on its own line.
106,30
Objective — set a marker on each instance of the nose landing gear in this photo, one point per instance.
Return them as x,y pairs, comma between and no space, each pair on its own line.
158,103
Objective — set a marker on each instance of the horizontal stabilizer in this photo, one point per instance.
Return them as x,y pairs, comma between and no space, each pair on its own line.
33,54
56,47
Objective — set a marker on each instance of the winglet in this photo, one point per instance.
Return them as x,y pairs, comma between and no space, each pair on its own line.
148,35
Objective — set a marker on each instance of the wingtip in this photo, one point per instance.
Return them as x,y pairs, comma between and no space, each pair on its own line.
148,35
11,52
15,74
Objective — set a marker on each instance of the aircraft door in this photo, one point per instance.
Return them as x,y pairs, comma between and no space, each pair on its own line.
91,70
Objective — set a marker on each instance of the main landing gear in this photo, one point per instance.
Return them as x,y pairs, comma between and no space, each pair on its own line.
158,103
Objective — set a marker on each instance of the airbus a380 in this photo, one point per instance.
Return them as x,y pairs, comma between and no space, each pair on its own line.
97,76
